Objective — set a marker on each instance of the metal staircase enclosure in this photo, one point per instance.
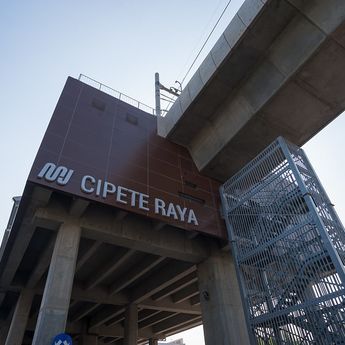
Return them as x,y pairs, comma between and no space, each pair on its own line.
289,248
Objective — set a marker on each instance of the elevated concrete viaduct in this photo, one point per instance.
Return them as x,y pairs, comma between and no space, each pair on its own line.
278,69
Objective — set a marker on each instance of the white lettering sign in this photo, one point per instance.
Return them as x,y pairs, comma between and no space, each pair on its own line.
104,189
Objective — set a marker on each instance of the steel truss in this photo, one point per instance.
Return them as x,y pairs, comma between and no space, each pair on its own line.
289,248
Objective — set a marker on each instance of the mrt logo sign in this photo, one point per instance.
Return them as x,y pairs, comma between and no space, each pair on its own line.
52,173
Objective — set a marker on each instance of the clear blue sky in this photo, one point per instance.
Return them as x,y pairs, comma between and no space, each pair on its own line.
121,43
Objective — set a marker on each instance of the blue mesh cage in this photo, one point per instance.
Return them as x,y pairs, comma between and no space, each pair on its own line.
289,248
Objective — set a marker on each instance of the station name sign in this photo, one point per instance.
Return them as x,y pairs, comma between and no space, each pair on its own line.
103,189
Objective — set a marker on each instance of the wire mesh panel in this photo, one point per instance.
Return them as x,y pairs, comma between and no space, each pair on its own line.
289,248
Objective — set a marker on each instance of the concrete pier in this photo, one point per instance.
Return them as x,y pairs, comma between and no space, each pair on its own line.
222,311
131,325
20,318
57,292
4,328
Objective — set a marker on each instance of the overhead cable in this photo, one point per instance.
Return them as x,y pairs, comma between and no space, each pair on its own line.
208,37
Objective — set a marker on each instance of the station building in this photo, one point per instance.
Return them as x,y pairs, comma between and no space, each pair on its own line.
116,233
122,235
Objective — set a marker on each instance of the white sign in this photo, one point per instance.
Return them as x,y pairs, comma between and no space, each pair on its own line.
62,339
104,189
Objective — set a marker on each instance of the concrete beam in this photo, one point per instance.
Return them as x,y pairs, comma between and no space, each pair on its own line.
42,265
84,311
71,327
78,207
115,320
40,197
145,314
185,326
118,259
135,273
102,331
186,293
105,314
120,215
26,232
87,255
164,277
98,295
180,284
110,340
166,304
118,331
195,300
158,225
164,315
134,233
180,320
109,312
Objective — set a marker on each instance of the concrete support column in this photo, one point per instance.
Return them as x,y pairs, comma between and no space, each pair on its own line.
4,328
20,318
89,339
221,305
57,292
131,325
153,341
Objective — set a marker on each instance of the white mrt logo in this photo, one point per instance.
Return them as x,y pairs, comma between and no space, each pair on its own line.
63,343
52,173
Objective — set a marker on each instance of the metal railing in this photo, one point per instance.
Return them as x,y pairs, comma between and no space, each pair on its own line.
117,94
289,248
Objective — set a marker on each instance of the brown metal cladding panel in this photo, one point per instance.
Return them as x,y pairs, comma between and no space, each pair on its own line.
98,135
162,168
159,153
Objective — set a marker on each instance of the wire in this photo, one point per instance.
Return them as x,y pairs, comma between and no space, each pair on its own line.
205,31
208,37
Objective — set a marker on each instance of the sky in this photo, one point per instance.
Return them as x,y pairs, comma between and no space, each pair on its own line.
120,43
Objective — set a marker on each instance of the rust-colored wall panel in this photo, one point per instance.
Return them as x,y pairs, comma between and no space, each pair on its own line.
98,135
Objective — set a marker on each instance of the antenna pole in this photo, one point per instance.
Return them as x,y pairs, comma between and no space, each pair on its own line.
157,94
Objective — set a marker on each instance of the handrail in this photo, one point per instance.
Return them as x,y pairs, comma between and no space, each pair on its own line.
117,94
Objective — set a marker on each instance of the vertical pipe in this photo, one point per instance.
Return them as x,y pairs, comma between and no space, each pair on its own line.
157,95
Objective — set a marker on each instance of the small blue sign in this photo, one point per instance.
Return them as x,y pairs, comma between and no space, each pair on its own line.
62,339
